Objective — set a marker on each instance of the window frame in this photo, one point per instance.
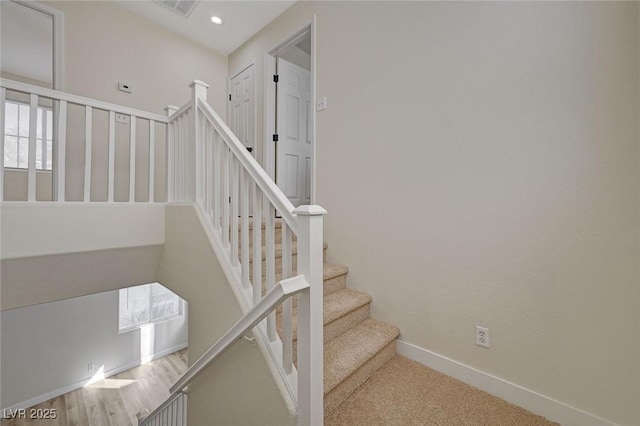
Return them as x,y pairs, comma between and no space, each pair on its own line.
43,141
149,307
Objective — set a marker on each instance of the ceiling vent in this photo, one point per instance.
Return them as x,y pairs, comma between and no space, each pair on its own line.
181,7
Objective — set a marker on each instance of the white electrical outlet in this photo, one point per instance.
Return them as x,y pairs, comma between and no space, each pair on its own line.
91,366
482,336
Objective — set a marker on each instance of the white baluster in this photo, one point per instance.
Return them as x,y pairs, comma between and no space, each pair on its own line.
225,195
270,263
59,165
257,243
3,98
170,153
184,151
152,161
235,200
88,138
33,122
132,159
208,167
112,157
217,180
198,92
244,214
287,310
310,313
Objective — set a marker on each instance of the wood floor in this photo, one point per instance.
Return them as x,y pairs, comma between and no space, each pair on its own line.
114,401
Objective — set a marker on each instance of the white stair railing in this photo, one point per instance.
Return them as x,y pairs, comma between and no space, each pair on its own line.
66,109
239,203
172,412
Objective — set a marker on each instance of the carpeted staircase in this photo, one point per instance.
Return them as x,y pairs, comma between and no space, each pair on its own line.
356,345
367,383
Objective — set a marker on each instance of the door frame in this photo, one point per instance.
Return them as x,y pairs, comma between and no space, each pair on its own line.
255,102
269,100
58,38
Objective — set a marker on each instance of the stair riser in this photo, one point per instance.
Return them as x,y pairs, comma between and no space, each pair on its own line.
335,284
339,326
340,393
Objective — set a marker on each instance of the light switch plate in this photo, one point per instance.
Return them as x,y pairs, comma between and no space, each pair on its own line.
321,104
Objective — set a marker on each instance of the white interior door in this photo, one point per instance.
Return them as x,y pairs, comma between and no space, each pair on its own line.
242,107
293,126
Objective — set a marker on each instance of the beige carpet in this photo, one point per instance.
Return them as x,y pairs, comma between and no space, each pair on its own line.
406,393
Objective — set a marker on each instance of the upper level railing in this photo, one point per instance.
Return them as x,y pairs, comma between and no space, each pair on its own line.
243,207
99,151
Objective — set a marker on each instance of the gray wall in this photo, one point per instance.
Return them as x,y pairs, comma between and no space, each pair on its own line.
46,348
238,388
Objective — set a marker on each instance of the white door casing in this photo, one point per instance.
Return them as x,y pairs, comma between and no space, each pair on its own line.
242,107
293,125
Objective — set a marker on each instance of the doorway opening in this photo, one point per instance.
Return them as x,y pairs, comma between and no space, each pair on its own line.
289,115
241,112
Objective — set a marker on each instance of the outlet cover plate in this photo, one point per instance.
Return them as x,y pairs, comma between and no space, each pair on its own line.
482,337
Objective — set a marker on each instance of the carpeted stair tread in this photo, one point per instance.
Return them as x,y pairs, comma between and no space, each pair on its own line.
336,305
353,348
333,277
340,303
332,270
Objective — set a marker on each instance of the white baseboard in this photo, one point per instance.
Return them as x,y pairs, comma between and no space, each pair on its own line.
66,389
535,402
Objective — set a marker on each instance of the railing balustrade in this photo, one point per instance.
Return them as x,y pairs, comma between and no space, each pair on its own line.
68,143
262,240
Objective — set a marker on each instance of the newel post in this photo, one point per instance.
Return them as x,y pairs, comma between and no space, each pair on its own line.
310,325
198,92
170,147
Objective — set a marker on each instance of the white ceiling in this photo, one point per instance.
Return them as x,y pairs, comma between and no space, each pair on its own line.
26,42
241,20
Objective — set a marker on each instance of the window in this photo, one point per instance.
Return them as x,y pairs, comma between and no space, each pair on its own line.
145,304
16,136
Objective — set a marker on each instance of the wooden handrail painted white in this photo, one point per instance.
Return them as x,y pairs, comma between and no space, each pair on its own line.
80,100
257,173
274,298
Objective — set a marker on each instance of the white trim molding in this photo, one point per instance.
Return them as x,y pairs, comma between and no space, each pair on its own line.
269,100
528,399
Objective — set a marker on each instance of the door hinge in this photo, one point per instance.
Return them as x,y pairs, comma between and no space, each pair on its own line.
229,97
275,138
275,78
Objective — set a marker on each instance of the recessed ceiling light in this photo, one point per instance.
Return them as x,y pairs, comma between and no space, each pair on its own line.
216,20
